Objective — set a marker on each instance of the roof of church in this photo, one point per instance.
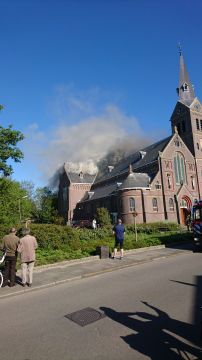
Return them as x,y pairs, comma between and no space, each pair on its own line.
187,95
79,178
101,192
135,180
140,159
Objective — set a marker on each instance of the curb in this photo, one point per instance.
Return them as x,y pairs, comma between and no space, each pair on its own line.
96,273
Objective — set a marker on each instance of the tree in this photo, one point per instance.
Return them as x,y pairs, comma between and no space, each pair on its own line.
15,204
46,205
103,217
8,148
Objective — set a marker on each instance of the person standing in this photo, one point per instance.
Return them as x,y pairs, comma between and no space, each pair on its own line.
94,224
26,248
188,222
10,244
119,231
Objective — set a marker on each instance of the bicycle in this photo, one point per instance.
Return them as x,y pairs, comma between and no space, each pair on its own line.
1,275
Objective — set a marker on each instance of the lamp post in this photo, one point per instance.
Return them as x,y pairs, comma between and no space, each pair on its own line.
19,206
134,215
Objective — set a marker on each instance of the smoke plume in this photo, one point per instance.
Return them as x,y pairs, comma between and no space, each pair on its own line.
97,139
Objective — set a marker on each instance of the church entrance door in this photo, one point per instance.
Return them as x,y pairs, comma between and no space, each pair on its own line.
185,206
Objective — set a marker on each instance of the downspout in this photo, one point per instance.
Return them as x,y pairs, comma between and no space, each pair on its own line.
143,207
177,209
162,187
197,179
176,202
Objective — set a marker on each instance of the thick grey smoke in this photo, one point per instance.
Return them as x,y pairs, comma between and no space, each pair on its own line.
89,145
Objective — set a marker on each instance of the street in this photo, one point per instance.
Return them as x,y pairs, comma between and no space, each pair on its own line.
152,312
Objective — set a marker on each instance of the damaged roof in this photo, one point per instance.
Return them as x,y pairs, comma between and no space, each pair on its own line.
140,159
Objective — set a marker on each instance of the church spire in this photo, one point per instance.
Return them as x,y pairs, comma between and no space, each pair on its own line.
185,89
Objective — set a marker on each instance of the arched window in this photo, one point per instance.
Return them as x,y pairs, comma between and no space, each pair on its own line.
197,144
155,204
171,204
193,182
179,167
132,204
197,124
169,181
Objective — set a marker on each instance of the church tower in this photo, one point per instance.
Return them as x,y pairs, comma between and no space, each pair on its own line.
187,118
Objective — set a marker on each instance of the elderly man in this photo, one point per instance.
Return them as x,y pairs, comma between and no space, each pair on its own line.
26,248
10,244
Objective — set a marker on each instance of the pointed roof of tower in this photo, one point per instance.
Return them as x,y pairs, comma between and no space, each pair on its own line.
185,90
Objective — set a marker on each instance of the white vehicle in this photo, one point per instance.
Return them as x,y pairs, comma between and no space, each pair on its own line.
1,275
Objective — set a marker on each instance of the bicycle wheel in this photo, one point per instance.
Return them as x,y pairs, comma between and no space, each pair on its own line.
1,279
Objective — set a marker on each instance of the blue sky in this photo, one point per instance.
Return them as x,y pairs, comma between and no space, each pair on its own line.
78,77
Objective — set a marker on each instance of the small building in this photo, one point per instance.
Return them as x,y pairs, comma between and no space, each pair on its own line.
159,182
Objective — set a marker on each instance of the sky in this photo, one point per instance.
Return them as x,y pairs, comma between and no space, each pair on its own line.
82,77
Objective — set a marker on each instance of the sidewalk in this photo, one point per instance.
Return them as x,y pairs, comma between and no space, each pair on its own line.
58,273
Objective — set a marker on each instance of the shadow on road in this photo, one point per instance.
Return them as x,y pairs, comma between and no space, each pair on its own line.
157,335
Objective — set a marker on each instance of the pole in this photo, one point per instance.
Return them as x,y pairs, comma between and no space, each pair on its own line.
135,230
19,210
134,215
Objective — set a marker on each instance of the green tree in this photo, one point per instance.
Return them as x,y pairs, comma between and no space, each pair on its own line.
103,217
46,205
8,148
15,205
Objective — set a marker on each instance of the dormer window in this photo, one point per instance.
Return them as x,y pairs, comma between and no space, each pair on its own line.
185,87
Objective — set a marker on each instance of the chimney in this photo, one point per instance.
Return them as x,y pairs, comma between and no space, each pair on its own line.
130,170
81,175
90,194
142,154
110,168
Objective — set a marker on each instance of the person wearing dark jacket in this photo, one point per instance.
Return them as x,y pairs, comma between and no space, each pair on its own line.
10,244
119,232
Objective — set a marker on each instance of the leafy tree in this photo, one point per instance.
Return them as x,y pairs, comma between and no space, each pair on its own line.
103,216
46,206
8,148
15,205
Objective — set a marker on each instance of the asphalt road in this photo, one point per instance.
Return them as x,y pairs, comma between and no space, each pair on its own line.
152,312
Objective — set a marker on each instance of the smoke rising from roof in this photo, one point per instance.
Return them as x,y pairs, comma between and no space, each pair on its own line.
96,140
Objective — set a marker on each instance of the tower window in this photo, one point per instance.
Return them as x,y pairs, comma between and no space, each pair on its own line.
197,124
185,87
169,181
193,182
157,185
179,168
155,204
201,124
132,204
197,146
171,204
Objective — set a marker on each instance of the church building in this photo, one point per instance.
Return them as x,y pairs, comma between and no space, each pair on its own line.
157,183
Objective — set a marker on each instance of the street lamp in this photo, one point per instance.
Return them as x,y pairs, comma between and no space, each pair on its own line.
134,215
19,206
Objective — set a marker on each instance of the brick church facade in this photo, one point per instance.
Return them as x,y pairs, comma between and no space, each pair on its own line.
158,183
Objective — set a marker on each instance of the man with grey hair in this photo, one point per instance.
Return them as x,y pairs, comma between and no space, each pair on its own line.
26,248
10,244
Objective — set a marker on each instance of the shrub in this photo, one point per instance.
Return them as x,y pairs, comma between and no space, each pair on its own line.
103,216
